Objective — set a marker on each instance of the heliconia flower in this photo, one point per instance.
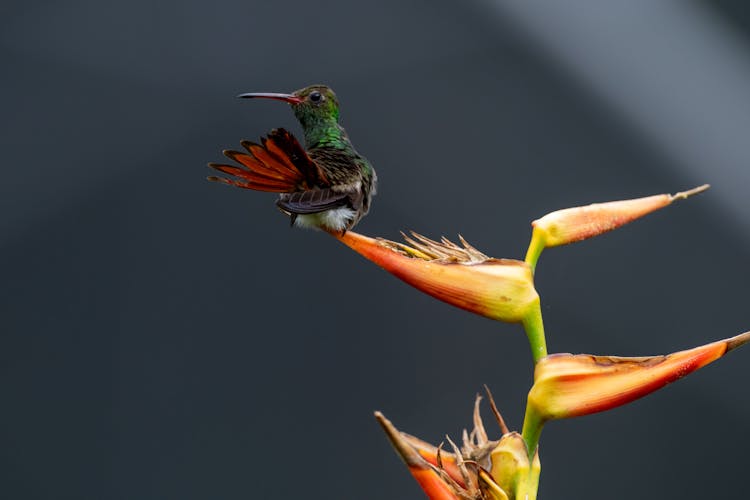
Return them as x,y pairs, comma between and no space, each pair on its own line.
579,223
481,469
501,289
567,385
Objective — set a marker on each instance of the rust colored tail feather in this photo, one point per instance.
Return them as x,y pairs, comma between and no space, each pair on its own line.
278,165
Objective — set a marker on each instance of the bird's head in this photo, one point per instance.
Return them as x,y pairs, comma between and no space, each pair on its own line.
313,106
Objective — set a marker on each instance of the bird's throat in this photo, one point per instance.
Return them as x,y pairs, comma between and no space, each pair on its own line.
325,134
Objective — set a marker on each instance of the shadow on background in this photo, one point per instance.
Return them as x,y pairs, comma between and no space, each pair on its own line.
164,337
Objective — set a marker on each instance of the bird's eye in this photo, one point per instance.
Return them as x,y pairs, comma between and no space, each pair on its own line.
316,96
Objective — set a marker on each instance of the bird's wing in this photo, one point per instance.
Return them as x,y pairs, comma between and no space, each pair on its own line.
314,201
279,164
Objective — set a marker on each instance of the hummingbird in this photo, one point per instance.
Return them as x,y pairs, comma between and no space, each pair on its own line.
327,184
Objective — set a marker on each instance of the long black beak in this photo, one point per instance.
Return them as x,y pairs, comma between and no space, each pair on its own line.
290,98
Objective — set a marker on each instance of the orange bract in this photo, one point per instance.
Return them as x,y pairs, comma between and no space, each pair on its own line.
567,385
501,289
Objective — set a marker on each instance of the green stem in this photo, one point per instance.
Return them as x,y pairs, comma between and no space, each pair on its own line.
527,488
532,430
534,327
536,245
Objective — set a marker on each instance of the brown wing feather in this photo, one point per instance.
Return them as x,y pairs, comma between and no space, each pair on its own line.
278,153
249,179
261,154
279,164
256,166
284,141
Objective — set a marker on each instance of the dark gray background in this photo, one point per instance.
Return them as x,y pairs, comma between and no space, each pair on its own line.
164,337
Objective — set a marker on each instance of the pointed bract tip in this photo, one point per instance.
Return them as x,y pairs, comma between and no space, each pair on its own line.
690,192
408,454
436,483
738,341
